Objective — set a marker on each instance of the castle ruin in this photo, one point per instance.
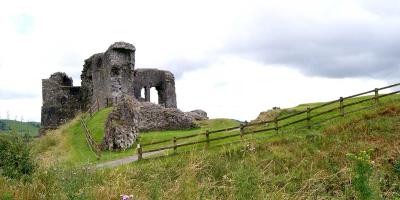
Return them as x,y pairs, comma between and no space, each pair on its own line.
105,78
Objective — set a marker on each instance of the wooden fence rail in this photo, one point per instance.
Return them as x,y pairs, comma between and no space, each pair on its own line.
93,146
275,125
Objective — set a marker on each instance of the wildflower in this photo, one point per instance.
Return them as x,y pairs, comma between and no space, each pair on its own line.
126,197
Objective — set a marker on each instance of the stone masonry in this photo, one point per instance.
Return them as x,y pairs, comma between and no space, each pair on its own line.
122,125
105,78
130,116
61,101
163,81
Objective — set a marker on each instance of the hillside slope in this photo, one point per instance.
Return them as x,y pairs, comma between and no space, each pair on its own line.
70,139
304,164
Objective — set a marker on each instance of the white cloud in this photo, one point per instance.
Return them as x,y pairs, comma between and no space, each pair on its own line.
28,108
241,89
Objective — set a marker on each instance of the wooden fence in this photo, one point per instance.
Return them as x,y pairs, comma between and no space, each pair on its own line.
93,146
278,123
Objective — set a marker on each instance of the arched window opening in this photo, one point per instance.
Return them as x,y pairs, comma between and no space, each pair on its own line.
142,93
153,95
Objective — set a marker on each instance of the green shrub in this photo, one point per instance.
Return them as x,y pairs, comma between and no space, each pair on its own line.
362,170
15,161
27,138
397,167
6,196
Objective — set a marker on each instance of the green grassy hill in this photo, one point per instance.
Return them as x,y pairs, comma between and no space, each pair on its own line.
32,128
78,153
325,162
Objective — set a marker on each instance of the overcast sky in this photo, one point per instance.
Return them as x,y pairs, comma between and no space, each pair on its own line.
233,59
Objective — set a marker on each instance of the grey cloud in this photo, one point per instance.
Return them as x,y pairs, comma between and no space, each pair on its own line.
317,45
344,48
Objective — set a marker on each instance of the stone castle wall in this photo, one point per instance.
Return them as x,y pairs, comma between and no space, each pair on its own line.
105,77
163,81
61,101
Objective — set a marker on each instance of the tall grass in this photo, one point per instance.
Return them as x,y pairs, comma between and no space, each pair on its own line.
299,165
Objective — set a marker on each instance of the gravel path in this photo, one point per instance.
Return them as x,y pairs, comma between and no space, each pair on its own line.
126,160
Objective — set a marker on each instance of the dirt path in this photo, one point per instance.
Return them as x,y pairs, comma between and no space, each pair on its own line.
122,161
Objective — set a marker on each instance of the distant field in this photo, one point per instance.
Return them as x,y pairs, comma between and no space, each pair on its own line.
32,128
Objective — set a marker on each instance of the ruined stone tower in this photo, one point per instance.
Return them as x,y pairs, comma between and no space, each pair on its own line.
107,75
61,100
105,78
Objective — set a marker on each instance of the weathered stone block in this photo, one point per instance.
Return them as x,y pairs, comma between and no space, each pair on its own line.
197,115
121,128
156,117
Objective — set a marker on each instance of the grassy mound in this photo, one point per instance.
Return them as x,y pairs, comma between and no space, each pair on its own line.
356,157
302,165
77,152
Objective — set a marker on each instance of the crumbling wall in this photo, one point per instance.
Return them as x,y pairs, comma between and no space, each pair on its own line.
163,81
106,76
91,64
109,75
61,101
153,117
121,129
130,116
120,59
197,115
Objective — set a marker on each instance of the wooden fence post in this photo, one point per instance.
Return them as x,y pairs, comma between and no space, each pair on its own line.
208,139
175,147
308,117
98,105
276,124
341,108
139,151
376,96
241,130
